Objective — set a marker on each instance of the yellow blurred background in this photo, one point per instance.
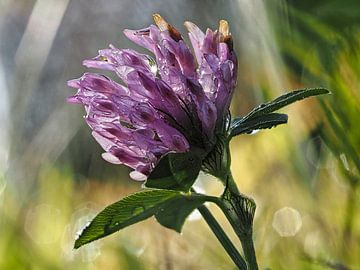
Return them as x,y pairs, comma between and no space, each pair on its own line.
304,176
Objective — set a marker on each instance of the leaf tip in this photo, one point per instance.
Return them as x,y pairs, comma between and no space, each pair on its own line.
326,91
77,244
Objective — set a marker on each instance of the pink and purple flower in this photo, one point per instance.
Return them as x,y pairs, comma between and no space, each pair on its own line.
173,104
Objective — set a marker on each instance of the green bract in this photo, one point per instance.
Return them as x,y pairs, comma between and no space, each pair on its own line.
175,171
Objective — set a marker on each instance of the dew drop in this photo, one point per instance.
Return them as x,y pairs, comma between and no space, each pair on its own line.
154,69
79,232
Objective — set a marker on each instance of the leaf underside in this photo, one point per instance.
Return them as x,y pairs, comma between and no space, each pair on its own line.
174,213
260,122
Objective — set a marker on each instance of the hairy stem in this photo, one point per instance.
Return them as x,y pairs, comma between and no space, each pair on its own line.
240,211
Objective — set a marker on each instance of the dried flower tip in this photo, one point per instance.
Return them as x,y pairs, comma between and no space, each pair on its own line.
165,26
160,22
225,35
224,28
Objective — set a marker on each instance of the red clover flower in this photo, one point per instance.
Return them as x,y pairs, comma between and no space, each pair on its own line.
177,103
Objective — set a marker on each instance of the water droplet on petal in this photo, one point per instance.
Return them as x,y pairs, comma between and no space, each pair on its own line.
154,69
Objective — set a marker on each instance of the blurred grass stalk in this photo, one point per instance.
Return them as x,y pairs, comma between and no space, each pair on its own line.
330,56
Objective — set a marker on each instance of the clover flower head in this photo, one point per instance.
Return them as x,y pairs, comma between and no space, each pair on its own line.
177,103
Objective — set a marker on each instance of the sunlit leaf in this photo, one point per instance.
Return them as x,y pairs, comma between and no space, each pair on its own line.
285,100
170,207
175,171
248,125
262,117
132,209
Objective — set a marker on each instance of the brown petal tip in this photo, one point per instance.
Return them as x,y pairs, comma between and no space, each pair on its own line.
160,22
224,28
164,26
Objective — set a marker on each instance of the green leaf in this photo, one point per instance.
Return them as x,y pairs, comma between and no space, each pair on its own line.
170,208
174,212
132,209
285,100
175,171
262,117
242,125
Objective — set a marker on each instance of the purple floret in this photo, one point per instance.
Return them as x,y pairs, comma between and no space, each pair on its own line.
173,104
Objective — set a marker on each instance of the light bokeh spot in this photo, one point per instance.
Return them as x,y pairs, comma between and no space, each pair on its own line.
39,226
287,222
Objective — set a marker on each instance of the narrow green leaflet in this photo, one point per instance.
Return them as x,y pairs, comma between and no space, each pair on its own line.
260,122
174,212
170,208
285,100
262,117
175,171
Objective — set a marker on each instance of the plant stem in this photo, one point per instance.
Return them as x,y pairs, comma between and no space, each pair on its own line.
222,237
249,250
245,237
240,210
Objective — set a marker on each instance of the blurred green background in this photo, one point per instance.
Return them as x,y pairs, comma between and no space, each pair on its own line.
304,176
